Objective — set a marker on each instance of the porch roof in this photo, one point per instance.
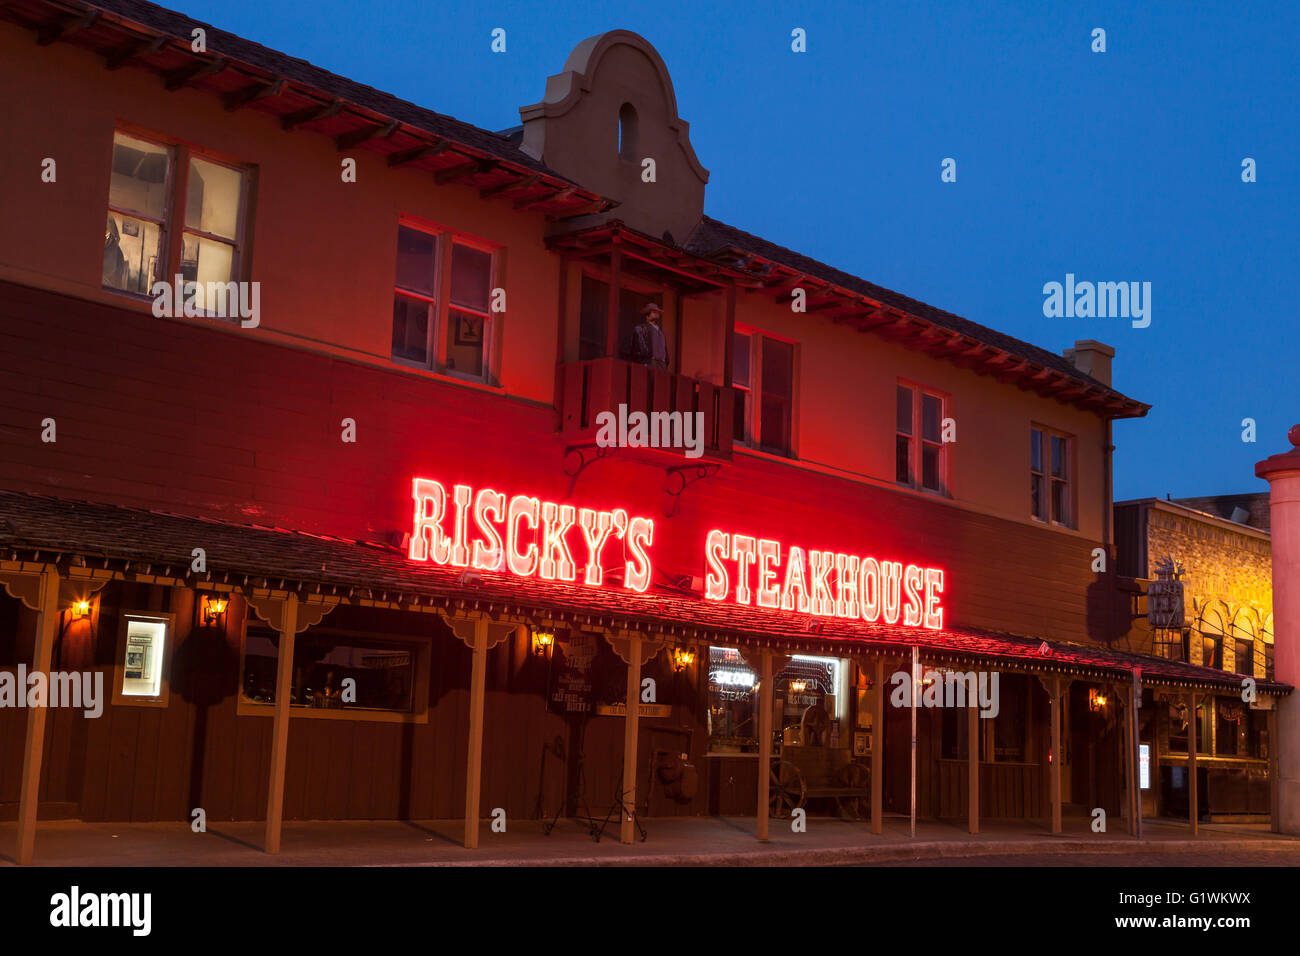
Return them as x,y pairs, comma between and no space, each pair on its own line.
135,543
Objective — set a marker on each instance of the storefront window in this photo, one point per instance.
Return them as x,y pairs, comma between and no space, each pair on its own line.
814,705
1178,716
733,711
333,672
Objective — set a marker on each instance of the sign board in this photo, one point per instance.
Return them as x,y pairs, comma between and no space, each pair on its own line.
1144,766
645,710
570,690
1165,603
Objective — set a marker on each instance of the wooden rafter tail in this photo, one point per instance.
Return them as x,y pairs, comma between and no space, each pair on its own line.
358,136
505,189
474,167
183,76
310,114
416,153
259,90
124,54
63,27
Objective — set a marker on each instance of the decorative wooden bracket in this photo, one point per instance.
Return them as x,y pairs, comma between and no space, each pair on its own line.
621,642
23,587
309,614
1048,683
466,626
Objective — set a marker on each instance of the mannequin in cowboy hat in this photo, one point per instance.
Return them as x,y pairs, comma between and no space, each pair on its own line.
649,347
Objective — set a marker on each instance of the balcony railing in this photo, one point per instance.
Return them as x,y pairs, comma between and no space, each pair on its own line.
602,385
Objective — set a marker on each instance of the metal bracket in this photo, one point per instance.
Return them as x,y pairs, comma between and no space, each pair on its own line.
683,476
587,455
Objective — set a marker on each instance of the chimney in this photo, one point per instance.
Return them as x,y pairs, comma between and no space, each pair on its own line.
1091,358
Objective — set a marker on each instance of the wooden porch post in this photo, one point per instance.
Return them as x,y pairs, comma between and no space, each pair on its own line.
765,698
615,274
916,700
474,770
878,750
630,726
280,723
47,620
1274,823
1130,760
973,779
1193,811
1056,754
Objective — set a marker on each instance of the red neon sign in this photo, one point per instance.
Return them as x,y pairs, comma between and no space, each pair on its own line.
822,583
523,535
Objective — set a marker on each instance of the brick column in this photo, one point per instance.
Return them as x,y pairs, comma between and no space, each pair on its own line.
1283,475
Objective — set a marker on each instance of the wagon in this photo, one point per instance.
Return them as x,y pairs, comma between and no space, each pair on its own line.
802,773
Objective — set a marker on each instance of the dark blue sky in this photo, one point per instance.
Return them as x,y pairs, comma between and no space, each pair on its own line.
1115,166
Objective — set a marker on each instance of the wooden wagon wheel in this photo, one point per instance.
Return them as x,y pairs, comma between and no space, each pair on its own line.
786,789
858,804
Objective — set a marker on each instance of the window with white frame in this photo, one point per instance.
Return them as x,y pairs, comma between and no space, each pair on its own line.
172,211
1050,483
442,301
920,455
763,375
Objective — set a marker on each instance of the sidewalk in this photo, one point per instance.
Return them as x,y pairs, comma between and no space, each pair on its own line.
709,841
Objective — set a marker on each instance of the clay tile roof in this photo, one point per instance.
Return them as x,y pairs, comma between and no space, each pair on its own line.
40,527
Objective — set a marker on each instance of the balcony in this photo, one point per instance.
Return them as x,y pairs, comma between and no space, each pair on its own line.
602,385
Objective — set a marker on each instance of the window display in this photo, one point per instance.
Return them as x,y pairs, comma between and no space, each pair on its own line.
142,659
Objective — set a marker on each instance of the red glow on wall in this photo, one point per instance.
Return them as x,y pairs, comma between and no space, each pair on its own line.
528,537
824,583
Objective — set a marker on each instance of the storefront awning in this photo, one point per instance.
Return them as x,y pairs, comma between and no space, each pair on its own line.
138,544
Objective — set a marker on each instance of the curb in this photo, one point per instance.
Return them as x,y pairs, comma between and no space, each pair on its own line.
909,853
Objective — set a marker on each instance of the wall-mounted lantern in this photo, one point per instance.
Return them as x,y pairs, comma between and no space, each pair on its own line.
543,641
683,657
214,609
80,609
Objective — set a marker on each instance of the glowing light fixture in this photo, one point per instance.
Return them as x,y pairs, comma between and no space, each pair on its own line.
683,657
543,641
214,608
81,608
1096,699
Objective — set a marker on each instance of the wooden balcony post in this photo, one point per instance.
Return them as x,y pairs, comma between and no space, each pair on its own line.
47,622
615,277
729,338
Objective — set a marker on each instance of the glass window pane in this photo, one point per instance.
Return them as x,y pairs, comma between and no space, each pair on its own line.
930,467
591,320
774,421
903,459
1058,501
138,182
931,415
416,260
212,203
382,672
733,703
143,664
131,254
904,410
410,329
739,415
1058,457
740,359
1035,449
465,343
778,369
471,277
206,260
1036,502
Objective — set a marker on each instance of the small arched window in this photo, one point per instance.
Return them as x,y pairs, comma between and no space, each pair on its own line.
627,131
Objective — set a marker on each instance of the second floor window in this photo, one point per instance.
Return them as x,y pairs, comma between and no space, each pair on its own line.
1050,492
763,376
920,456
442,302
172,212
